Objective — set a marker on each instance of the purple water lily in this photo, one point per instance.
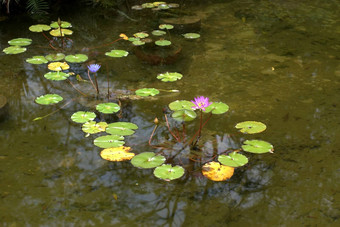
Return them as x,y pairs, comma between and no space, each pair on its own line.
201,103
94,67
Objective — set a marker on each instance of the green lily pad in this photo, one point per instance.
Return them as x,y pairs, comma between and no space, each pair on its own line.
64,24
39,28
14,50
20,42
147,92
92,127
138,43
132,39
141,35
56,76
82,116
148,5
217,108
167,172
257,146
77,58
60,32
191,35
251,127
37,60
108,108
163,42
55,57
48,99
166,26
147,160
158,32
169,77
163,6
233,160
180,105
121,128
184,115
117,53
109,141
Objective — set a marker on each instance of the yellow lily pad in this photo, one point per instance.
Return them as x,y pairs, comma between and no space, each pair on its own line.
60,32
216,172
58,66
117,154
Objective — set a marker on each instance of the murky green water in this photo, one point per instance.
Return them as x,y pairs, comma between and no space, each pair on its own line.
270,61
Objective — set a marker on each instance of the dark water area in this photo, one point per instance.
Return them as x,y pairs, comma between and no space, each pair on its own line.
271,61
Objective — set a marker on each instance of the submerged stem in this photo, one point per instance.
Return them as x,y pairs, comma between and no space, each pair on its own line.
39,118
76,88
88,74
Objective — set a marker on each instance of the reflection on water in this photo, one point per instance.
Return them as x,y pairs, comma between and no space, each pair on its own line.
275,62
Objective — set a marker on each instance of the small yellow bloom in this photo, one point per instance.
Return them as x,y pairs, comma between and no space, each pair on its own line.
123,36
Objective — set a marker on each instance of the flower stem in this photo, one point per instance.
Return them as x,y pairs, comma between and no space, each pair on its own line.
95,79
76,88
167,123
88,74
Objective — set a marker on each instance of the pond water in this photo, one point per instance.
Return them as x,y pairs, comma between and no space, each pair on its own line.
271,61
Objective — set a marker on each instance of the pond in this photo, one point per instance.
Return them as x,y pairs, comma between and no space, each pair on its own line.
275,62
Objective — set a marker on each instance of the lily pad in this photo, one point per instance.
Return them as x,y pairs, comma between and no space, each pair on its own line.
121,128
169,77
117,53
132,39
136,7
167,172
163,6
108,108
39,28
56,76
191,35
37,60
180,105
148,5
48,99
166,26
92,127
58,66
14,50
77,58
158,3
163,42
158,32
141,35
60,32
217,108
233,160
109,141
82,116
138,43
55,57
147,160
216,172
147,92
257,146
251,127
63,24
184,115
20,42
117,154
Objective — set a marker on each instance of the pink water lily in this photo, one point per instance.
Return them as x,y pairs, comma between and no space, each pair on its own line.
201,103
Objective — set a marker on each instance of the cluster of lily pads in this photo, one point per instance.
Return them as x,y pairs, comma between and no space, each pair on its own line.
155,6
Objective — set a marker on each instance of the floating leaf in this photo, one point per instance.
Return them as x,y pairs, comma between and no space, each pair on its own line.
141,35
56,76
108,108
117,53
168,172
109,141
55,57
216,172
147,160
117,154
48,99
257,146
39,28
58,66
163,42
77,58
217,108
233,160
121,128
148,5
93,127
181,104
20,42
60,32
191,35
169,77
147,92
82,116
138,43
14,50
137,7
158,32
158,3
63,24
166,26
251,127
132,39
163,6
37,60
173,5
184,115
